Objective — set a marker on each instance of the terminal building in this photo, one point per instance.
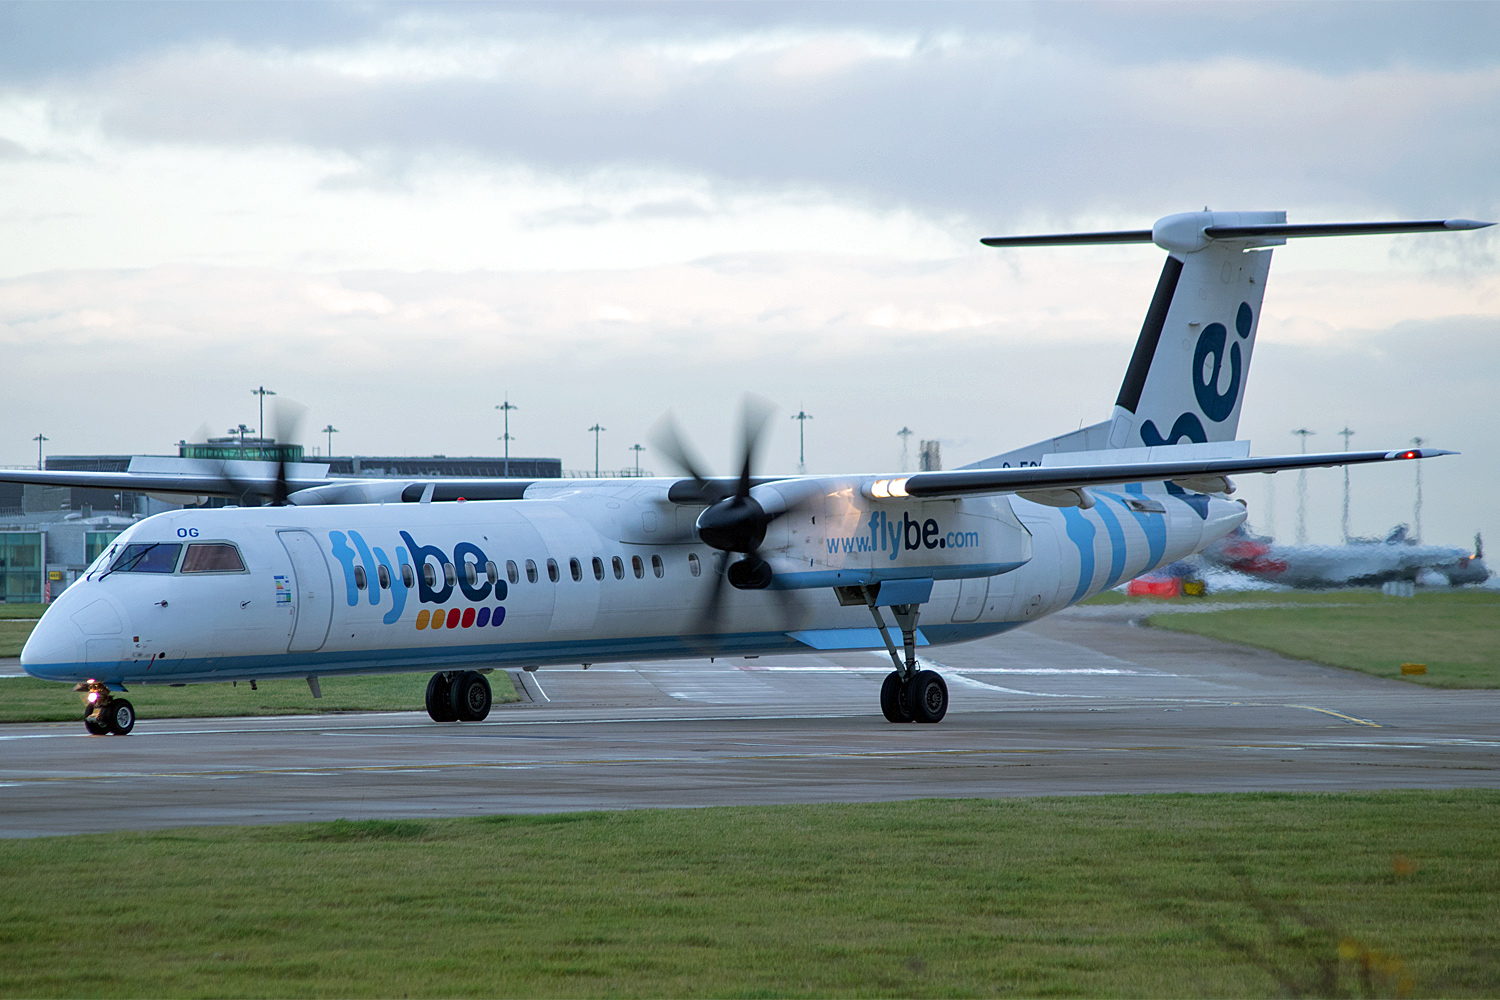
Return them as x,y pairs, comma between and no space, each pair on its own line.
50,534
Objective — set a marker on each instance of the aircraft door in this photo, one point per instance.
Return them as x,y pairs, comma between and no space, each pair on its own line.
972,591
313,593
572,545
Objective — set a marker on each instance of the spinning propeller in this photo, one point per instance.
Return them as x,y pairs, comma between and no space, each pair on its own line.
234,484
734,522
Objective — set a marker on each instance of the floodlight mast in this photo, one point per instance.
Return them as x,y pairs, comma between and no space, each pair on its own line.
505,408
262,392
596,430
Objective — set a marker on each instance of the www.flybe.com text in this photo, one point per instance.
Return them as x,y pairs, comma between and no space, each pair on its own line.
905,535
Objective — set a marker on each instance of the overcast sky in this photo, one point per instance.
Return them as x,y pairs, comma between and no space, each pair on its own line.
396,214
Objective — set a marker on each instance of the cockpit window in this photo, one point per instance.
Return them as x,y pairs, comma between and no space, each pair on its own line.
147,557
212,557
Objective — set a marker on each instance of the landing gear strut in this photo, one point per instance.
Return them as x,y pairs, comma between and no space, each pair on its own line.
908,694
103,713
458,696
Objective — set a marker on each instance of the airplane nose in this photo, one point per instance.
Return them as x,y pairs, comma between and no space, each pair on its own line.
54,649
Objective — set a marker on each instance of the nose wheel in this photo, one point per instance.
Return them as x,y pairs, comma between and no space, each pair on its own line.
104,714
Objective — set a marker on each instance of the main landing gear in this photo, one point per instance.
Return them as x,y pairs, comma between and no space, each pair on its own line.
104,714
908,694
458,696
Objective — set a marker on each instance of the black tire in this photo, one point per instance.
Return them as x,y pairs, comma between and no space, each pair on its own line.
894,704
95,727
928,696
470,697
439,698
119,717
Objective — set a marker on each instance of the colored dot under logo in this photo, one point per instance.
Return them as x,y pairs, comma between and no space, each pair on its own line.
456,618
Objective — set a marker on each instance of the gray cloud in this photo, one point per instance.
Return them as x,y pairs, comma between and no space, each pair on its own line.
999,113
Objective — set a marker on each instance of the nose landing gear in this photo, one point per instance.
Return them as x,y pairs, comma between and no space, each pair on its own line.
104,714
908,694
458,696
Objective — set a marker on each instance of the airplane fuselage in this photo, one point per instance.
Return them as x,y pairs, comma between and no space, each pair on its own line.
579,572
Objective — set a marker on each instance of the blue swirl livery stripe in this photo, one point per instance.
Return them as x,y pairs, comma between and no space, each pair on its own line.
1153,524
1116,544
1081,533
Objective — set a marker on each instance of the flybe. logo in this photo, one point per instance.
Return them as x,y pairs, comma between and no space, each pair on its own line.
469,576
905,535
1216,405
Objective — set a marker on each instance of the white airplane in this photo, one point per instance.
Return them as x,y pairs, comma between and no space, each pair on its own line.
462,576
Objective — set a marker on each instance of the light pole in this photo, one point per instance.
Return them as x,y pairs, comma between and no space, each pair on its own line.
597,430
1417,511
330,430
1346,434
262,392
241,430
505,408
904,434
802,417
1303,433
637,449
39,439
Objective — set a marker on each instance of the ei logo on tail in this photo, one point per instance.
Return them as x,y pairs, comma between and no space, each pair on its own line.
1214,344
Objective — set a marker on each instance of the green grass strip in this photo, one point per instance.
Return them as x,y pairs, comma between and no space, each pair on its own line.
1378,894
26,699
1455,633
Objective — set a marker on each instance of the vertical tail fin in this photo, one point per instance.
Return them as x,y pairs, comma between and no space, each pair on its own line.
1186,379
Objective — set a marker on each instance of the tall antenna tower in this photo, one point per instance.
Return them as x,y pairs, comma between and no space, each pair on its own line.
1346,434
802,417
1304,434
905,434
1417,511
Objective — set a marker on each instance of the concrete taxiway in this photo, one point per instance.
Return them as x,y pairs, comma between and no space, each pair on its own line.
1082,703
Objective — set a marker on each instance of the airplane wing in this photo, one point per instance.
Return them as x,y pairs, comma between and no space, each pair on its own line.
181,484
1203,474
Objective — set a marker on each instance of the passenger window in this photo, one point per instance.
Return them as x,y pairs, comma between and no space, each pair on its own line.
450,575
552,573
429,574
471,573
408,577
384,576
361,581
657,567
694,566
598,568
638,567
619,566
511,573
212,557
491,572
576,570
147,557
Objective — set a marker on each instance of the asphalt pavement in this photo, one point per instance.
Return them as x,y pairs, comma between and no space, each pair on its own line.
1081,703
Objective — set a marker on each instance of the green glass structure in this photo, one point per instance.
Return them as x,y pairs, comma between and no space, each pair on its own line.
21,567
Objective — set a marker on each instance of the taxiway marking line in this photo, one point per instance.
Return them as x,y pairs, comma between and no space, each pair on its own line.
1338,715
619,761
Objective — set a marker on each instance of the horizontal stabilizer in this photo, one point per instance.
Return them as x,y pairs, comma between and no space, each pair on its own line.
1192,231
978,481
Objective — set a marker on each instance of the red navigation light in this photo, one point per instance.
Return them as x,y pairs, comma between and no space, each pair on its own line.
1409,454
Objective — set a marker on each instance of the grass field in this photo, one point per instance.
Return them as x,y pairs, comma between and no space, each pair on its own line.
1455,633
1380,894
26,699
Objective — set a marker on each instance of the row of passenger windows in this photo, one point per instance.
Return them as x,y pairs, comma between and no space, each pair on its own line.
491,572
